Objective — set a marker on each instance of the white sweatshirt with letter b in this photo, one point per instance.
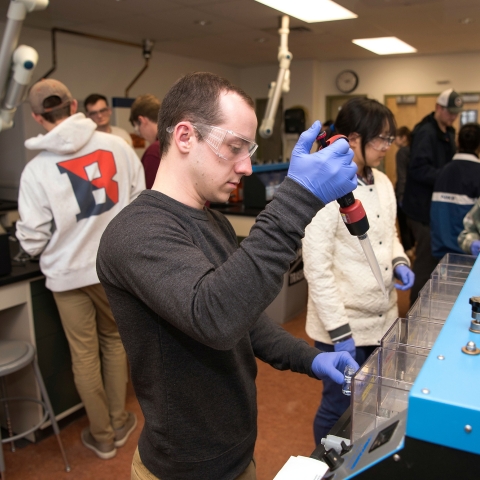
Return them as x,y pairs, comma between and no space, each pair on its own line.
69,193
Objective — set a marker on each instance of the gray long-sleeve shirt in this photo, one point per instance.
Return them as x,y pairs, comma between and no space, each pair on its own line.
188,303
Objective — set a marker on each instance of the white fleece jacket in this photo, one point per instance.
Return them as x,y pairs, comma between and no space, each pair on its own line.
68,195
343,295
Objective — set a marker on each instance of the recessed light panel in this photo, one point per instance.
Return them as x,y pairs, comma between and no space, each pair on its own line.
310,11
384,45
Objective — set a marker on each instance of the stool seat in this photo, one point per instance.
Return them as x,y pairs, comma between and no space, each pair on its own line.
14,355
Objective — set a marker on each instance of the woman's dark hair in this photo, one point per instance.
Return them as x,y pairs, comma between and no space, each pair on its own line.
469,138
366,117
404,132
196,98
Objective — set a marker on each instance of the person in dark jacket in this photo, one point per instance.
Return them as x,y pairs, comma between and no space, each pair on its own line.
456,191
403,138
433,146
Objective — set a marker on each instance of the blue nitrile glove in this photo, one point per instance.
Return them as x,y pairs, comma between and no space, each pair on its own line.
332,365
330,173
475,248
405,275
346,346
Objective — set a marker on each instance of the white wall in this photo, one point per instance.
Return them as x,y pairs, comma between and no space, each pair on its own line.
90,66
403,75
312,81
87,65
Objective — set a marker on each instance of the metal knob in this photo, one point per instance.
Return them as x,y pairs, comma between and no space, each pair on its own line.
471,348
475,323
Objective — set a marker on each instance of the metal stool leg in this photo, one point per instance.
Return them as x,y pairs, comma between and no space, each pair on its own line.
48,405
7,414
2,460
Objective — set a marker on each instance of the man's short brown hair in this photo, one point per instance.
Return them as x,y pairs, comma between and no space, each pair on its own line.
195,97
145,106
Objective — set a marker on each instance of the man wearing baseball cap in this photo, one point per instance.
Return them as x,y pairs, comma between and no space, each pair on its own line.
68,194
433,146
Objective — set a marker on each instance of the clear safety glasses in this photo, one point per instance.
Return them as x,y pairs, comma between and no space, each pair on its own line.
226,144
381,143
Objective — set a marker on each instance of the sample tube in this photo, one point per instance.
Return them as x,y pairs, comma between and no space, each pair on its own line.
347,383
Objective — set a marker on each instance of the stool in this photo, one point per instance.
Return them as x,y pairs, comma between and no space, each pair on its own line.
15,355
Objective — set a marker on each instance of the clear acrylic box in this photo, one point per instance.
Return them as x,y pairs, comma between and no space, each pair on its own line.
451,273
435,300
429,308
380,388
411,335
458,259
441,290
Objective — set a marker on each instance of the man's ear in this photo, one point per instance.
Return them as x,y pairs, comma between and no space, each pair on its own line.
73,107
140,119
184,136
39,119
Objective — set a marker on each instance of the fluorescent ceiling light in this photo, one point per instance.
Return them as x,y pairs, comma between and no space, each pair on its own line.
384,45
310,11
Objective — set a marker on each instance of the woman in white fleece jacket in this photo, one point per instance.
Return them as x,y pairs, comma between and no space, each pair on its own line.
346,308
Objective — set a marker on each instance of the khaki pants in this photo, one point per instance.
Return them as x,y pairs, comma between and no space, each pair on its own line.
98,357
140,472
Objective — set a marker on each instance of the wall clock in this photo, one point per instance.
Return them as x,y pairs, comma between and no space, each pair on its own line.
347,81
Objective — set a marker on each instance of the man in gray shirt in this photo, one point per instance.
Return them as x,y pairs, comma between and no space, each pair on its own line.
189,301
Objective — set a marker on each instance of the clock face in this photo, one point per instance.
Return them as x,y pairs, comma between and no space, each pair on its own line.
346,81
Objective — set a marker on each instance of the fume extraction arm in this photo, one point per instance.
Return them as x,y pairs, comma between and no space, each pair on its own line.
282,84
16,63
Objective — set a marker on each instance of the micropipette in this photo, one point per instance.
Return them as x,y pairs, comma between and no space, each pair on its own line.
355,219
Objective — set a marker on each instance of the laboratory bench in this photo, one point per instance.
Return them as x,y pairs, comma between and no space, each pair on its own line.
28,312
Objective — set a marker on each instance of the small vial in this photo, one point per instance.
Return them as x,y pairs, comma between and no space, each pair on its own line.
347,384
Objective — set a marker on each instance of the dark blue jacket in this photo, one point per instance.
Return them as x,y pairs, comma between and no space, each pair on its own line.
431,150
456,191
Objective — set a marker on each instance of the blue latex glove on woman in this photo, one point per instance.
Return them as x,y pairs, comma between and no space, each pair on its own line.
332,365
405,275
475,248
328,174
346,346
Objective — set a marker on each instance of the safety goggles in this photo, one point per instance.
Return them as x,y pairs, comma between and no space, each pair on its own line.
226,144
102,111
381,143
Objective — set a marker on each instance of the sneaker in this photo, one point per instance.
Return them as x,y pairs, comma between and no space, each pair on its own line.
122,434
102,450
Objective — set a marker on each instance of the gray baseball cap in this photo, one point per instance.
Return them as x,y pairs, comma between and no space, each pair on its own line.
45,88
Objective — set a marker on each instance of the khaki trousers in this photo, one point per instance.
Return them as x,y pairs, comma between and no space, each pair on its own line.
140,471
98,358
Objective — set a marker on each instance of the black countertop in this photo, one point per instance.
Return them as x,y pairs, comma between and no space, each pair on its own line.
31,269
20,270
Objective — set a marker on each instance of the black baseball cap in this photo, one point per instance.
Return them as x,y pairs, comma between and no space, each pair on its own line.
451,100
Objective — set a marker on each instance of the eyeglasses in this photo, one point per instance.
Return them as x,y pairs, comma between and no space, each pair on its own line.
381,143
226,144
102,111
